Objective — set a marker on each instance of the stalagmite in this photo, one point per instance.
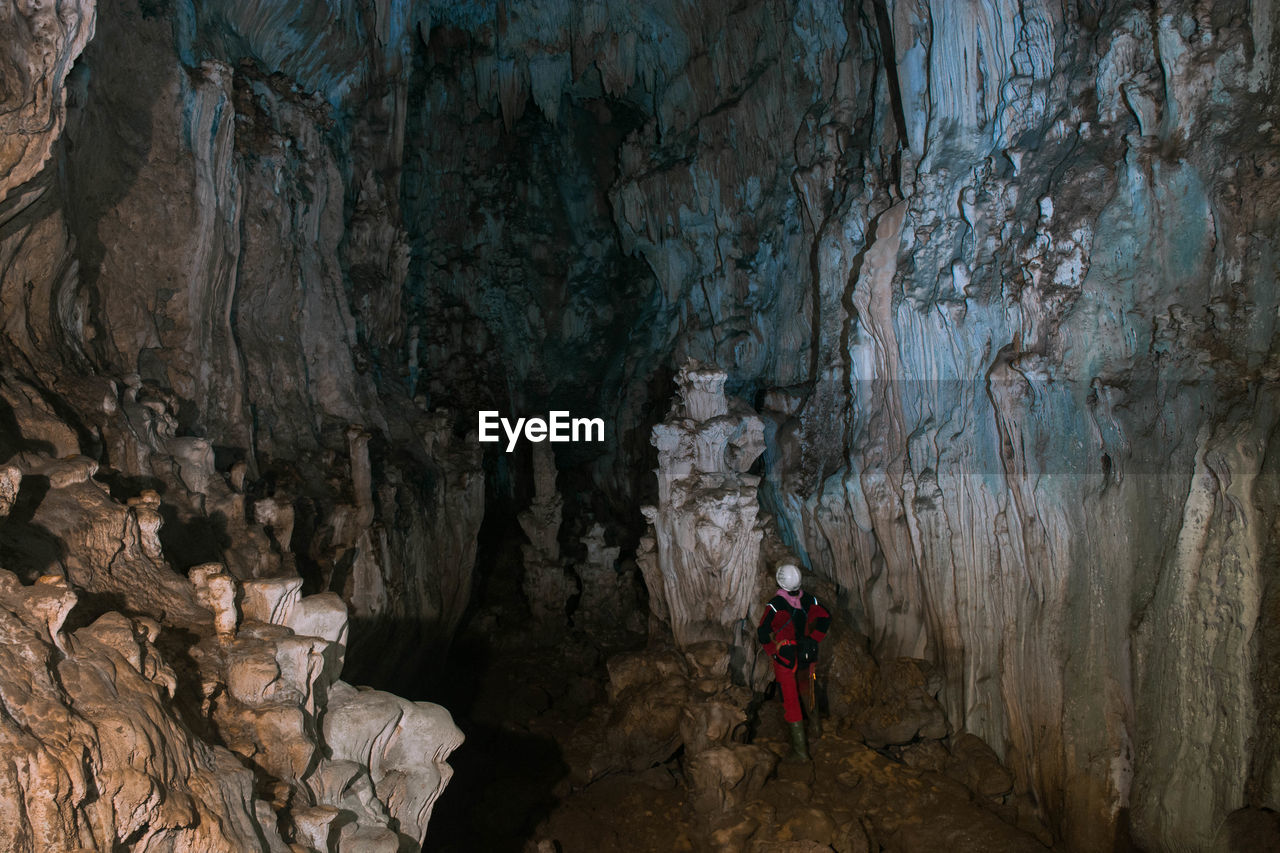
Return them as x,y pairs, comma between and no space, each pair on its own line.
703,570
546,585
145,509
276,514
404,744
216,590
608,595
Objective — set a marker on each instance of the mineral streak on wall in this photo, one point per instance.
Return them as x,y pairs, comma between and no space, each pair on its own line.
1011,312
1008,316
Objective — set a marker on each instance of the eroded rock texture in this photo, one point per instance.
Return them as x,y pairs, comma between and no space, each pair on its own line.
701,556
233,192
191,430
193,723
95,754
44,40
998,278
1003,274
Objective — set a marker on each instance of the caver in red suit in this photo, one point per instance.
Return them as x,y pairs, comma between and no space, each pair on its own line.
792,626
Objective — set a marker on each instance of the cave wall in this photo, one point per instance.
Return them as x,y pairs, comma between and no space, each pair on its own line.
1061,405
238,175
232,183
195,279
1010,311
998,275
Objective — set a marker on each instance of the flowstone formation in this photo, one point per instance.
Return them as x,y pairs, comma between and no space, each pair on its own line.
179,456
1002,274
998,278
608,602
143,708
701,557
238,250
218,245
45,40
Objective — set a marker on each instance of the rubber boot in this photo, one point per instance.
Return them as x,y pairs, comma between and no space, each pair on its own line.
814,727
799,749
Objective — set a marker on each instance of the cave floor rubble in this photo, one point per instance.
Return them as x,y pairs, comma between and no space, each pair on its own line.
849,799
524,706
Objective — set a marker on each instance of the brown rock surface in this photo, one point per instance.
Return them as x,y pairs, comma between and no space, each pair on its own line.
999,277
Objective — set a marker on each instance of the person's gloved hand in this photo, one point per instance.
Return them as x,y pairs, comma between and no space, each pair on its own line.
787,655
808,649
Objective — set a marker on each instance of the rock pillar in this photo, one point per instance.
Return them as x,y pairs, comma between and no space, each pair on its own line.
701,555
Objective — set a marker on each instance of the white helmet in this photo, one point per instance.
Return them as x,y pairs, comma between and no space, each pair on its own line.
788,577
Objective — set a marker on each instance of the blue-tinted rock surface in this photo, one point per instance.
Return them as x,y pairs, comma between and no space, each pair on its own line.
1008,313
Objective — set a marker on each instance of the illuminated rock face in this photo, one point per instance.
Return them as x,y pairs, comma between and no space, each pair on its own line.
1013,313
1027,402
243,275
109,745
44,40
701,557
182,372
1007,315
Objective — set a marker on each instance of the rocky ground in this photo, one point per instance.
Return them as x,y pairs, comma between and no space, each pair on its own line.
577,742
850,799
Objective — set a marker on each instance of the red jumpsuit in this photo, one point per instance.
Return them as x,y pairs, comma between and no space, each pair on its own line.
789,617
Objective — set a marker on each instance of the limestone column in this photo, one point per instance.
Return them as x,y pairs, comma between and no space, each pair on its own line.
701,558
